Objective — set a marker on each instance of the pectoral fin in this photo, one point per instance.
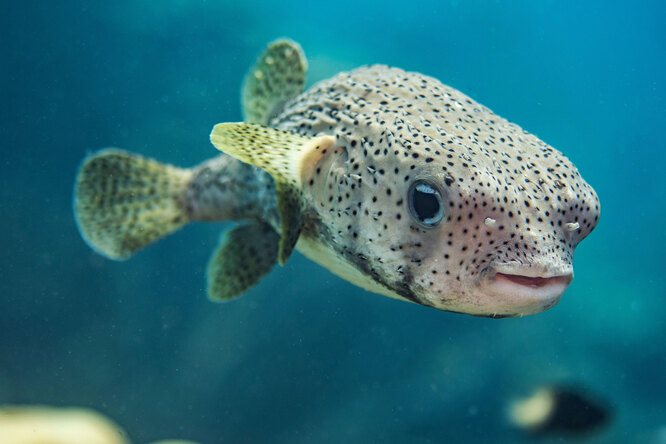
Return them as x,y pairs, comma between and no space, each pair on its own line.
246,254
291,160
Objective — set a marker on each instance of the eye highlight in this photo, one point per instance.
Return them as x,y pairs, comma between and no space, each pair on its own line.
425,204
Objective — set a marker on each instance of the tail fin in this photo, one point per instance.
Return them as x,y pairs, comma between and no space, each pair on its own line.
124,202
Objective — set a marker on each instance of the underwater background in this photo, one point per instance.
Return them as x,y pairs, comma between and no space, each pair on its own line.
305,357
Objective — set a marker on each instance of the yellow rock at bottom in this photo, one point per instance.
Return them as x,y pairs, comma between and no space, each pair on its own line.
49,425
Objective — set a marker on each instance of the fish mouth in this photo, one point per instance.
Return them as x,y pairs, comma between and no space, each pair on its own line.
534,282
517,291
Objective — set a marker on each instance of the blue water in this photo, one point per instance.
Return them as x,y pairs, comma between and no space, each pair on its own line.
306,357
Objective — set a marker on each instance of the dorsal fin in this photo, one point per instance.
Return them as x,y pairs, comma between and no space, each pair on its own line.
288,157
277,76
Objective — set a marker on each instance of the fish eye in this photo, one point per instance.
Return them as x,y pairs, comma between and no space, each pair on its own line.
425,204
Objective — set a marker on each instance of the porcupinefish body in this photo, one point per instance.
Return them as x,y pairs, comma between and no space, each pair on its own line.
390,179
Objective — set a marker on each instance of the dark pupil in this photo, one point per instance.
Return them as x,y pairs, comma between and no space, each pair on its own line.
426,205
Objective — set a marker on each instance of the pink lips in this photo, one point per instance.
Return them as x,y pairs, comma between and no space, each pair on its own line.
520,291
533,282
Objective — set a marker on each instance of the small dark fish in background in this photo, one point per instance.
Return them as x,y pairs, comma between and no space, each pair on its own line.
560,411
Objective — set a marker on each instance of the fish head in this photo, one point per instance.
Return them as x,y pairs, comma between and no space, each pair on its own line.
459,232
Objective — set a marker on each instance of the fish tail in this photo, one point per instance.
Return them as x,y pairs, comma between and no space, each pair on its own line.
124,202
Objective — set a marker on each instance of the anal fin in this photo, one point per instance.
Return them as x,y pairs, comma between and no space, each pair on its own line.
246,254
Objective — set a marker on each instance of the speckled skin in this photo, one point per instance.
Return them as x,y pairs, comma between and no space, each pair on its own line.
513,204
223,188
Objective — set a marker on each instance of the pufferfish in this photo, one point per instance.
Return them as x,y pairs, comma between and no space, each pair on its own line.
391,180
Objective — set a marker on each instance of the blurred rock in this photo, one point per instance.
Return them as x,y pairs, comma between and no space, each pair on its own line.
49,425
68,425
